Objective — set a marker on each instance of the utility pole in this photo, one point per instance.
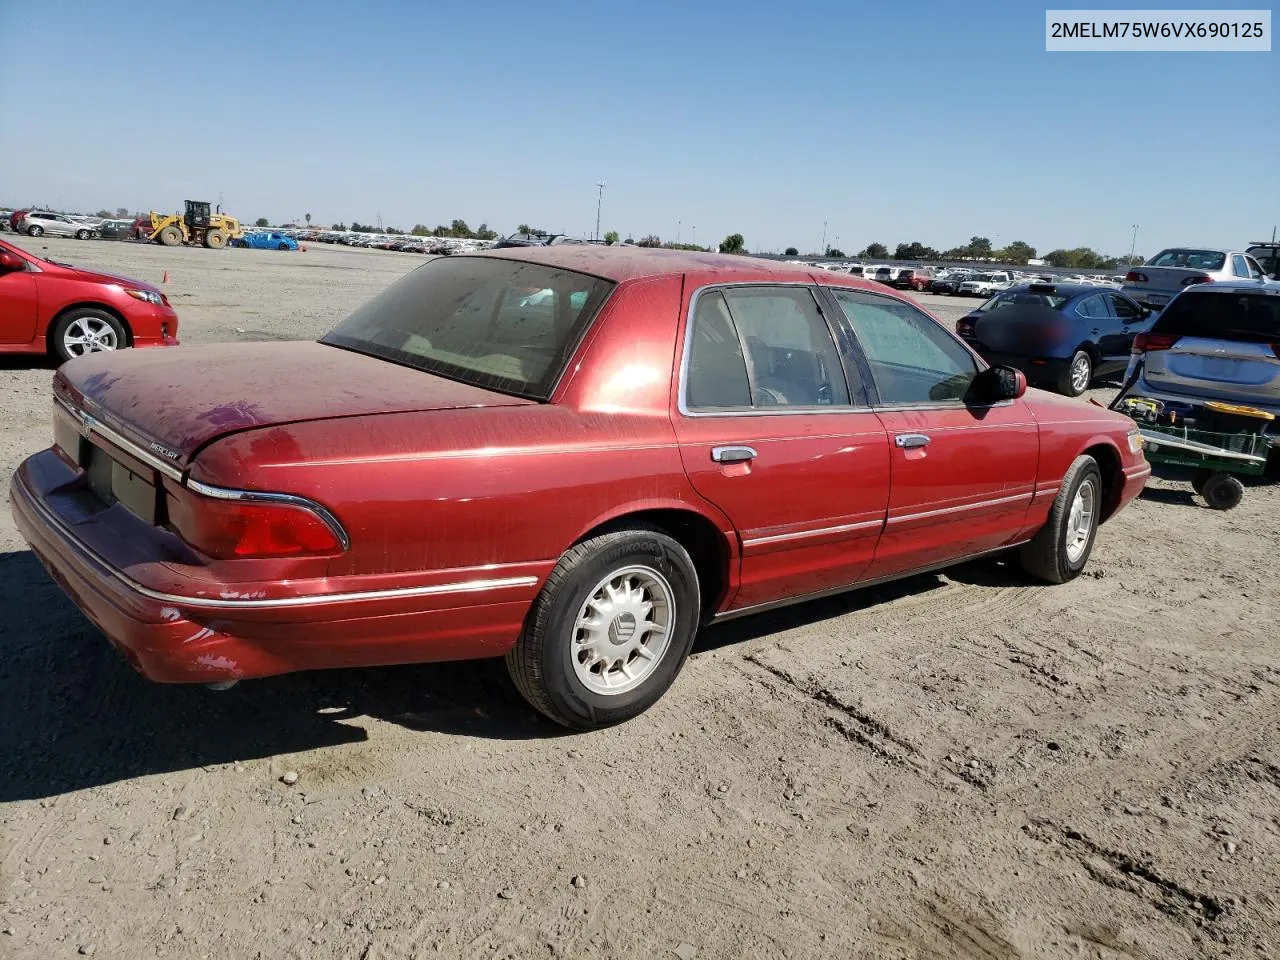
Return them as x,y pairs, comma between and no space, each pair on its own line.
1133,245
599,200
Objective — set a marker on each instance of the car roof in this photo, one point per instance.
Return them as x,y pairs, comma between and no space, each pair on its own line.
619,263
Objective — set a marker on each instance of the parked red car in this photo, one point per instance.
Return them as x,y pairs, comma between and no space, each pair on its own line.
572,456
49,307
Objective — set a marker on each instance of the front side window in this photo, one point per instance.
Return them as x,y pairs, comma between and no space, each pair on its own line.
762,347
499,324
1125,309
912,359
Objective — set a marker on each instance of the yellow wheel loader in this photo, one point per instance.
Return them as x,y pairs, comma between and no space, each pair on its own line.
199,225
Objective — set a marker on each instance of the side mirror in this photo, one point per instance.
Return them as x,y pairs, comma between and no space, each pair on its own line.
11,261
997,384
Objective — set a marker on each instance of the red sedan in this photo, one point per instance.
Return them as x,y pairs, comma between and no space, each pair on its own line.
48,307
572,456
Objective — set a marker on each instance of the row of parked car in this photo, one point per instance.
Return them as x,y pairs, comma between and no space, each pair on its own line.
958,281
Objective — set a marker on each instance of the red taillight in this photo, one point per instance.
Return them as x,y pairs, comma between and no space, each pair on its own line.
231,526
1133,276
1149,342
1193,280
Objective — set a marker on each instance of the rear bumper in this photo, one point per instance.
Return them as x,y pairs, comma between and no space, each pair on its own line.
176,630
1144,389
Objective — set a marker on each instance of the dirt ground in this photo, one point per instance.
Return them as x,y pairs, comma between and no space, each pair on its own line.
959,765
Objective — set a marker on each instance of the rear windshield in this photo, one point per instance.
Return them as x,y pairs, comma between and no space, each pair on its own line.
1193,259
1243,317
499,324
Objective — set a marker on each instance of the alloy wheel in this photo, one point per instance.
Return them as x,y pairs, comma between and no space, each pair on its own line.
623,629
89,335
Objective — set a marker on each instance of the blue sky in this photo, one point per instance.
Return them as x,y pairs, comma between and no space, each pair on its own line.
930,122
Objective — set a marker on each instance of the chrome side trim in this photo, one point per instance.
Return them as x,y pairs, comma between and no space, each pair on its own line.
91,424
902,518
858,585
263,603
257,496
804,534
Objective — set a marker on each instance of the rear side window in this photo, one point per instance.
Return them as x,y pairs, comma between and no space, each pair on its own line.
1241,317
1239,267
1094,307
762,347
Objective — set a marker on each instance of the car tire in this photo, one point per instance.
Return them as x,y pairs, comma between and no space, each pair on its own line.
618,577
1061,548
34,231
85,320
82,234
1222,491
282,246
171,236
1076,378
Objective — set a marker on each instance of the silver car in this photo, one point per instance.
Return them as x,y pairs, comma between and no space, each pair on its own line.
1215,341
39,223
1171,271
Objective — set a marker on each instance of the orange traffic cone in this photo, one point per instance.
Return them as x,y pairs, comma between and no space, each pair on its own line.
165,279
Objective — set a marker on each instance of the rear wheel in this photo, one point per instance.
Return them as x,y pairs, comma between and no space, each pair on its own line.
87,330
215,239
1078,375
1062,547
171,236
1222,491
34,231
610,631
282,246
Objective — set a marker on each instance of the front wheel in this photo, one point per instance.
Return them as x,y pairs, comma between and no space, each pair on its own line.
1062,547
1078,375
610,631
215,239
171,236
87,330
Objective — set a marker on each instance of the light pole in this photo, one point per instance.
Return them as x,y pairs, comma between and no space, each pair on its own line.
677,233
823,249
695,235
599,200
1134,244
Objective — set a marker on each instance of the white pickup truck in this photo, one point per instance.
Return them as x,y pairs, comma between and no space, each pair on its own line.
986,284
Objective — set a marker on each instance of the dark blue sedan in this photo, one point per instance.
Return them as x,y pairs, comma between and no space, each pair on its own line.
1061,336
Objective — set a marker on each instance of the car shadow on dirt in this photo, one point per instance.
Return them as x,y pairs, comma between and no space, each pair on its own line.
74,715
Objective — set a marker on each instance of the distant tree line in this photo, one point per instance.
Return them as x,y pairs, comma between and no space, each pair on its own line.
1017,253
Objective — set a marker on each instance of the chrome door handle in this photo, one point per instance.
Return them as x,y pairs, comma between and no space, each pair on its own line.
910,441
732,454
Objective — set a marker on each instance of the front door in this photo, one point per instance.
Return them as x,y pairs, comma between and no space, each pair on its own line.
18,305
775,433
962,475
1117,344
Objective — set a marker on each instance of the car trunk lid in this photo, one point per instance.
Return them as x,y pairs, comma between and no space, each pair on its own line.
1217,368
170,403
1156,286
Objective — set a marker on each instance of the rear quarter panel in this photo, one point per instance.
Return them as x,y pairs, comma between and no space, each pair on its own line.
491,487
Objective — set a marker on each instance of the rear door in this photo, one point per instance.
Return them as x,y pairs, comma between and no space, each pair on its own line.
1221,344
962,476
774,432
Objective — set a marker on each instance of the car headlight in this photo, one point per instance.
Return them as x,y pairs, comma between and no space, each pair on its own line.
147,296
1135,441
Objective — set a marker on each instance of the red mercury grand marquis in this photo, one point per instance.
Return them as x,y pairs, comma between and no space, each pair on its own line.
572,456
